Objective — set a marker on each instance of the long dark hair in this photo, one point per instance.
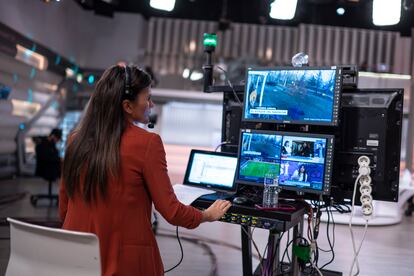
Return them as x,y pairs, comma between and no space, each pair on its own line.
93,151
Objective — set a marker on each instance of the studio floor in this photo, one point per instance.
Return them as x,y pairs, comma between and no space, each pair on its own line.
215,248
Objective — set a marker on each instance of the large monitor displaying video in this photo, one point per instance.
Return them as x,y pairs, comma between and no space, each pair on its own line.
302,161
306,95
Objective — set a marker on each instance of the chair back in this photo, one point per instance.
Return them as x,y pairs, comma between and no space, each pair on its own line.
39,250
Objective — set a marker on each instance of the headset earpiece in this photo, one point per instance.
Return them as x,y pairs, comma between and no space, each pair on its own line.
127,80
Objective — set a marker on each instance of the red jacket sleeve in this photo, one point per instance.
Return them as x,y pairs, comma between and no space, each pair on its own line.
160,188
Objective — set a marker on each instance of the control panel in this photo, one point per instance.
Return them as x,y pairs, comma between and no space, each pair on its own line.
253,221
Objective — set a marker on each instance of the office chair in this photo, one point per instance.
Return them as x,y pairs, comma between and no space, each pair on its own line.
39,250
49,196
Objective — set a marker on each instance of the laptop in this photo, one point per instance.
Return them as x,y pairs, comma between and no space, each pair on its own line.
214,171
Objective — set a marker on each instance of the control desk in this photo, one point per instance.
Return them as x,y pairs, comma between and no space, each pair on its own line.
275,221
279,221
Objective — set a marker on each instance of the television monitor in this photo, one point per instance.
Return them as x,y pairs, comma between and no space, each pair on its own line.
307,95
371,125
302,161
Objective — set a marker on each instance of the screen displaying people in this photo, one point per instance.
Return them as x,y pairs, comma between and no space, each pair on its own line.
298,161
290,95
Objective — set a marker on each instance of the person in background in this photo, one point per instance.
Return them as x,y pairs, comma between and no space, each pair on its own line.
48,162
112,173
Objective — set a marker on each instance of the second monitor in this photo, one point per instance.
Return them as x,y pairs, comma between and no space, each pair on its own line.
302,161
308,95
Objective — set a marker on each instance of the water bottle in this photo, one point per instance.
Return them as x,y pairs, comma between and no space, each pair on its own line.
270,191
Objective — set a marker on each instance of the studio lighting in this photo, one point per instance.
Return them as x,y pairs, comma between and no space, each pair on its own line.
386,12
283,9
340,11
165,5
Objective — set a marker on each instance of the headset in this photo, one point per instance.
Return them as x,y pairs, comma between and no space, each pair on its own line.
128,91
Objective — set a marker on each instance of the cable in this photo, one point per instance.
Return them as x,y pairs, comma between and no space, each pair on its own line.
222,144
210,253
359,248
231,85
182,252
350,227
331,244
274,252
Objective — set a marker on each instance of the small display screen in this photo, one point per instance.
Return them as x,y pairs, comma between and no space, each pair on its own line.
290,95
211,169
302,161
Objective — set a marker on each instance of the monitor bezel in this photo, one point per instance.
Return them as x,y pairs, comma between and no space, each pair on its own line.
327,182
336,104
186,181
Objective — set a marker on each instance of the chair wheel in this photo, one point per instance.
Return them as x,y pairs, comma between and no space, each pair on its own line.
33,200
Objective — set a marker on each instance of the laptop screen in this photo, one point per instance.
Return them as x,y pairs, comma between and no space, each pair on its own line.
209,169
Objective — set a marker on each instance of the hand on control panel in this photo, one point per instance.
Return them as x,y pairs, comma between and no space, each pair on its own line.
216,210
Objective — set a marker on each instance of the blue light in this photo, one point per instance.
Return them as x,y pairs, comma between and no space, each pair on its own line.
91,79
21,126
57,60
30,95
32,73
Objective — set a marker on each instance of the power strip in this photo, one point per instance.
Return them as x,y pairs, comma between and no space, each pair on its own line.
365,188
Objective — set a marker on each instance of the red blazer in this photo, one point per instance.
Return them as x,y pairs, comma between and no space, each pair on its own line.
123,220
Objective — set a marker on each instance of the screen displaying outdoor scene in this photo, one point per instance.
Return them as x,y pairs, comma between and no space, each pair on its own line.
298,161
290,95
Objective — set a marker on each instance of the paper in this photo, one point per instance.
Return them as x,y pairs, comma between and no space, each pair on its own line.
187,194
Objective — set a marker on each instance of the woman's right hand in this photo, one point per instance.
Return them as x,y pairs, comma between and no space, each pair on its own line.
216,210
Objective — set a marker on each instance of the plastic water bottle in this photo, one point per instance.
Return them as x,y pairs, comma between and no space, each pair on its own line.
270,191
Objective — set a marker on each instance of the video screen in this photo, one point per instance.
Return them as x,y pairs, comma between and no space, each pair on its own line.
211,169
308,96
260,155
301,162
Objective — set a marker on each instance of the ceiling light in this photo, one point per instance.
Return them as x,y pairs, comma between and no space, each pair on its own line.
386,12
165,5
186,73
31,58
283,9
196,75
340,11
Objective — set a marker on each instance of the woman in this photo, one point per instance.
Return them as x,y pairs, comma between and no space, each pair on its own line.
112,173
300,174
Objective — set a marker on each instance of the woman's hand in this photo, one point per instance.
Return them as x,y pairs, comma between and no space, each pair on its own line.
216,210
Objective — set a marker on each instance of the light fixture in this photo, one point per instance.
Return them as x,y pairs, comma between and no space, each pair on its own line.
30,57
186,73
386,12
283,9
69,73
165,5
340,11
196,75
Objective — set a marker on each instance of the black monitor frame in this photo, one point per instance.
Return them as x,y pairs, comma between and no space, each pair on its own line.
371,125
336,99
327,168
